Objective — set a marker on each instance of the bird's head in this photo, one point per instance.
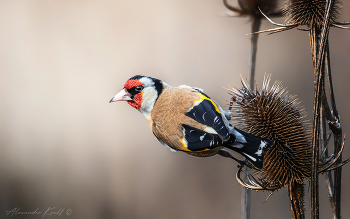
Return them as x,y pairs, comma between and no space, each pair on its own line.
141,92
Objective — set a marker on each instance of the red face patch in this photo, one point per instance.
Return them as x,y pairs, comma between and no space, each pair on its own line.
137,100
132,83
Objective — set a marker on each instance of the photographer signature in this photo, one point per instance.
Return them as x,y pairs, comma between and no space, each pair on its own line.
50,211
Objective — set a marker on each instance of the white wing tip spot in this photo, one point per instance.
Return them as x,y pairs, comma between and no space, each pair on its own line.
261,148
202,137
253,158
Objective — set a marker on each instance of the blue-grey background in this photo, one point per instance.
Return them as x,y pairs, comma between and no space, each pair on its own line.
63,145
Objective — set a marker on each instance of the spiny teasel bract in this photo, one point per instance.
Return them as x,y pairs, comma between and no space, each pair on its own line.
274,114
307,12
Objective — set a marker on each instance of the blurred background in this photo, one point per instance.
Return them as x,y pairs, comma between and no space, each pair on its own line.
63,145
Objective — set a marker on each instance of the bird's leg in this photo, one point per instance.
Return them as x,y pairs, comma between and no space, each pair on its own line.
227,154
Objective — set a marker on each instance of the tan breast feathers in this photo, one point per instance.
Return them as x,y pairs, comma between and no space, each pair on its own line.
168,115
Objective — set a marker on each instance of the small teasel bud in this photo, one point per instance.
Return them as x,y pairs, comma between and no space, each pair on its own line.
251,7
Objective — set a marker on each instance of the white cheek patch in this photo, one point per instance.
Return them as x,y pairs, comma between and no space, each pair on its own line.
149,96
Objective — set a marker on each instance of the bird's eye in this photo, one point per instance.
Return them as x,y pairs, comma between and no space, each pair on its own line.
139,88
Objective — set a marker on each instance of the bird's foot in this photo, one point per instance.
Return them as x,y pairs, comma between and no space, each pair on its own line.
241,163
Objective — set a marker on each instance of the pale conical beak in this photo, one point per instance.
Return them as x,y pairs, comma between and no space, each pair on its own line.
123,95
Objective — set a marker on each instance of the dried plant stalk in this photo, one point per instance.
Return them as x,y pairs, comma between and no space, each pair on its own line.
324,150
296,195
251,8
246,193
337,131
318,16
318,54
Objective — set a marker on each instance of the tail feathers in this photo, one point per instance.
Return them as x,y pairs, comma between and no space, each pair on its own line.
251,147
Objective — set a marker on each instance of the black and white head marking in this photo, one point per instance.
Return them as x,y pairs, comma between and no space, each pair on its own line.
152,89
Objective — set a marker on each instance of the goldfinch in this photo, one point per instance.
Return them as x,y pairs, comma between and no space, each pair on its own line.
185,119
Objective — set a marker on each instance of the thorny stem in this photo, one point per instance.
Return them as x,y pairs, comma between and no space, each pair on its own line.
254,46
324,149
337,131
335,127
324,37
329,117
337,177
334,191
316,127
256,22
228,6
318,51
246,193
296,195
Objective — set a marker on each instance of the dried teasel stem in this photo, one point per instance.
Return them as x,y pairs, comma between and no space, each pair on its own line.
246,193
245,199
318,51
318,20
296,195
318,16
249,8
254,46
324,148
337,130
316,127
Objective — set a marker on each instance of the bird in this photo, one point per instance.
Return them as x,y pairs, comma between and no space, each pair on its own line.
185,119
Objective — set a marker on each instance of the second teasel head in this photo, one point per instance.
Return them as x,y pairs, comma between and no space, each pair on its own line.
309,12
274,114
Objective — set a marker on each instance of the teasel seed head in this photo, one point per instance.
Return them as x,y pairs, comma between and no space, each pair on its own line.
311,13
308,12
274,114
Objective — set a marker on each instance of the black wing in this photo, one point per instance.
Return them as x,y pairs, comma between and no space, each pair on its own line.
207,114
198,140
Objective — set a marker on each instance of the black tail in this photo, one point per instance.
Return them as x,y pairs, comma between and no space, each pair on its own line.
251,147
